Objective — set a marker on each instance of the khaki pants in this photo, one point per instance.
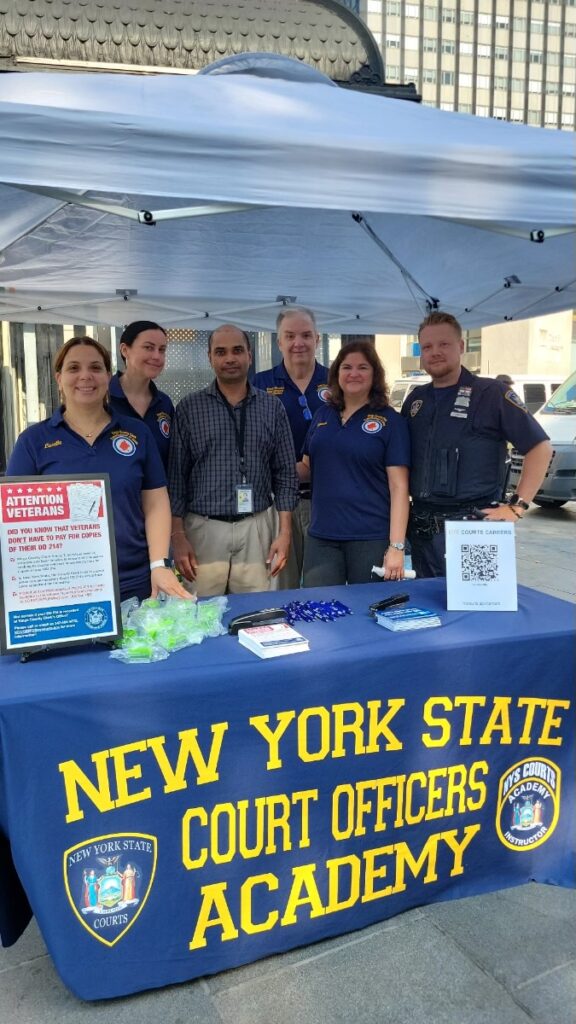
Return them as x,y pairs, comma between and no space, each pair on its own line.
231,556
291,576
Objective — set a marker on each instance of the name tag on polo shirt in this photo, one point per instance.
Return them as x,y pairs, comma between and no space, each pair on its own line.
244,499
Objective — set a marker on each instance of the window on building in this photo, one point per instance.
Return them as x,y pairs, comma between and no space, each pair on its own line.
430,12
375,7
501,20
553,28
570,30
519,54
448,14
448,47
551,118
517,85
466,48
569,88
500,82
429,45
551,88
465,108
533,117
446,106
466,17
516,114
483,81
484,19
392,71
411,74
536,26
501,52
499,113
412,11
411,43
519,24
465,81
393,42
569,60
534,86
447,78
481,111
483,50
536,57
429,75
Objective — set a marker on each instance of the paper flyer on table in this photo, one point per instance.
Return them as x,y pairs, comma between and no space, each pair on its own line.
57,562
481,566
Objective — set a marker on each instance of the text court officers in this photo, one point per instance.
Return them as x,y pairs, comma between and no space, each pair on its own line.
133,392
459,428
301,384
231,455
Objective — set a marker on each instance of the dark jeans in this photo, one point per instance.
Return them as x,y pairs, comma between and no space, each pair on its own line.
330,563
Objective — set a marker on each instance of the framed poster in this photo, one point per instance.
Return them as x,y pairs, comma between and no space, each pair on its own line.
481,566
58,572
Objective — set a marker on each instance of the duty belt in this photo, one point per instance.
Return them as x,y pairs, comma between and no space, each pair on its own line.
428,522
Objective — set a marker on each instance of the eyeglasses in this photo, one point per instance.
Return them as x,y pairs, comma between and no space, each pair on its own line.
306,411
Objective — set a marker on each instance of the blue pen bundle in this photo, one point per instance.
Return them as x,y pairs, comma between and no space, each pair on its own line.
315,611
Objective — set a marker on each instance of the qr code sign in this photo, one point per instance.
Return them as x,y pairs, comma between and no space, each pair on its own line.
479,562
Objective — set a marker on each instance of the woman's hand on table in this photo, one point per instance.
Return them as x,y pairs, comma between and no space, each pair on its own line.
393,564
166,581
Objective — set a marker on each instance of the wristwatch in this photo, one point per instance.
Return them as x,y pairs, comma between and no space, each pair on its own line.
397,544
161,563
515,499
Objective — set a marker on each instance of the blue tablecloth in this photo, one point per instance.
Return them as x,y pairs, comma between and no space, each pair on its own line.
172,820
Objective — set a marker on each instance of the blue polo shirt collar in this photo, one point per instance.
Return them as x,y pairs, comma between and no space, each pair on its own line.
116,390
57,418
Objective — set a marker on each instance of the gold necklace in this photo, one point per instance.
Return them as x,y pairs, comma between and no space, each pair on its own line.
79,430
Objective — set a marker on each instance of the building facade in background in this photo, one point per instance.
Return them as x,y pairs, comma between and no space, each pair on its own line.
514,60
510,59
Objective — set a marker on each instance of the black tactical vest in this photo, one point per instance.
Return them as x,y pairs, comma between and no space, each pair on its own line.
454,461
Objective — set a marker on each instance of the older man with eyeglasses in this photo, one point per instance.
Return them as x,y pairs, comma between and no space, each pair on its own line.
301,384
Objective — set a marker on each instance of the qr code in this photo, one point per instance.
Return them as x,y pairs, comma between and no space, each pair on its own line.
479,562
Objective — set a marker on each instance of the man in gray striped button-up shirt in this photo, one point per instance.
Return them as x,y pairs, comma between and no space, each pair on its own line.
231,456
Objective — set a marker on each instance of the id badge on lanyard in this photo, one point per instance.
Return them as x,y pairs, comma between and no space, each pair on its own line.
244,499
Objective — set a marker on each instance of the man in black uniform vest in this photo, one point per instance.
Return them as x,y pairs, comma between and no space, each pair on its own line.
459,428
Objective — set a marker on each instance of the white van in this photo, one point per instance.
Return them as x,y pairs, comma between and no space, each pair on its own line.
534,391
558,418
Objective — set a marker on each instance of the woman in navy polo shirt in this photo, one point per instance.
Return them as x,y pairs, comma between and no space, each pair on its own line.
133,392
358,451
86,436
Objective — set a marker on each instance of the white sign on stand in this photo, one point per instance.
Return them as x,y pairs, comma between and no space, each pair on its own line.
481,566
58,574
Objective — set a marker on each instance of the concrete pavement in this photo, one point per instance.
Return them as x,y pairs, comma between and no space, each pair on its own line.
503,958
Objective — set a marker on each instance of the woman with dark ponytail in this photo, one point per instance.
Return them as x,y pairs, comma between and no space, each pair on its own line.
133,391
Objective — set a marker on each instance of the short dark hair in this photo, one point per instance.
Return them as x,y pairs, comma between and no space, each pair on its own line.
439,317
131,332
243,333
379,391
82,339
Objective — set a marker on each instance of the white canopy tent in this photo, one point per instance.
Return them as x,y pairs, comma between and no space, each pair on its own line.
258,191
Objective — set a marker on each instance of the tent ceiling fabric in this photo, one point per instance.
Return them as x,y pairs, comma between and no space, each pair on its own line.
452,201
